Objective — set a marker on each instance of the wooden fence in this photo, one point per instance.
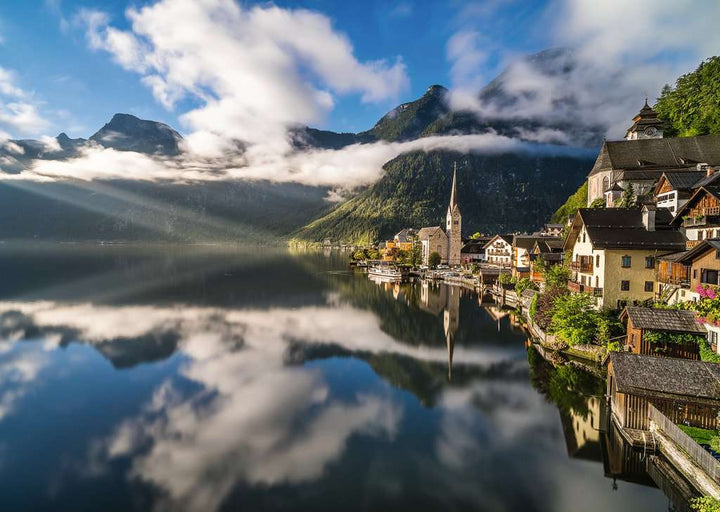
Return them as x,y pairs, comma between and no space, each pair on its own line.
696,452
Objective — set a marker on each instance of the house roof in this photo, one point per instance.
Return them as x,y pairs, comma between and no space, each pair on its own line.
525,241
622,228
474,246
673,256
673,320
710,244
508,239
427,232
642,375
705,180
404,234
547,245
672,152
683,180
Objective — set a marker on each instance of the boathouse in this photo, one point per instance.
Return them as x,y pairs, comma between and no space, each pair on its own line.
687,392
640,321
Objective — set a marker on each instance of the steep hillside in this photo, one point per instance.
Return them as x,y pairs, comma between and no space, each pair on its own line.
498,193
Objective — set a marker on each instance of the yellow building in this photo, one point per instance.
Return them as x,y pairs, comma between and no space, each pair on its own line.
402,241
614,252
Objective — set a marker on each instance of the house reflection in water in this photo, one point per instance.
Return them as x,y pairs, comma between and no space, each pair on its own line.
591,437
582,433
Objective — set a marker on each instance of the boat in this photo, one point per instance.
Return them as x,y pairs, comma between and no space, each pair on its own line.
386,273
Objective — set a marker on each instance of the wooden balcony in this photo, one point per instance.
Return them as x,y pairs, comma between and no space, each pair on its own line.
683,282
582,288
691,243
581,266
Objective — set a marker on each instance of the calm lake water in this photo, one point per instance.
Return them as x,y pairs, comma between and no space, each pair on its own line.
215,379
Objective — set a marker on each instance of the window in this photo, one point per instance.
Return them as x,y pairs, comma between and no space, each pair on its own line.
694,273
708,276
625,286
649,262
648,286
597,260
626,261
606,184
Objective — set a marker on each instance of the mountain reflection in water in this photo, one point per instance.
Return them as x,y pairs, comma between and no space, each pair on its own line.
203,379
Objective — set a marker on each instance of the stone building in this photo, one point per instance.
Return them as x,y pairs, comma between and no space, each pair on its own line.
448,244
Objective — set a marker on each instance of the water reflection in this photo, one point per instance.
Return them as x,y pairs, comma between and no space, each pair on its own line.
204,379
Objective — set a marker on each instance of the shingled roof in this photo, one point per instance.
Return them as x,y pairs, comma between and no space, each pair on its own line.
622,228
670,153
672,320
428,232
667,376
709,244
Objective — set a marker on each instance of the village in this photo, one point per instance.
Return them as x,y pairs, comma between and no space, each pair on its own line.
630,284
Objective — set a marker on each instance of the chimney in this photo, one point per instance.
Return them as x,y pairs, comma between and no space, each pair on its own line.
648,217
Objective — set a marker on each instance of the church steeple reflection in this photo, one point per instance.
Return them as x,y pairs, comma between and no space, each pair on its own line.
451,322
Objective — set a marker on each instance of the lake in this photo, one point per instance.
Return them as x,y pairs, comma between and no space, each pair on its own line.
213,379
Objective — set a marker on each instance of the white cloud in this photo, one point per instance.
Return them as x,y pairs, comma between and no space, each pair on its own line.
621,50
353,166
254,71
18,109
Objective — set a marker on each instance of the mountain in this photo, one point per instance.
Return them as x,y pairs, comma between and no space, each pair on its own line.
126,132
497,193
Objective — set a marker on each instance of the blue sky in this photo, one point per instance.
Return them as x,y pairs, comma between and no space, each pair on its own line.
81,88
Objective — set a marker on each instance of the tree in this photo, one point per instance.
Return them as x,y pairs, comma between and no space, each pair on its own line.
692,107
434,259
574,319
573,203
416,254
476,235
545,305
628,197
524,284
557,276
598,203
393,253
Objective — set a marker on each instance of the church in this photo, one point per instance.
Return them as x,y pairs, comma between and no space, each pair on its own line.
446,243
642,158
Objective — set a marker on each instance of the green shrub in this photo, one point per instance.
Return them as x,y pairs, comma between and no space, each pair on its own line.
557,275
705,504
532,310
434,259
574,319
524,284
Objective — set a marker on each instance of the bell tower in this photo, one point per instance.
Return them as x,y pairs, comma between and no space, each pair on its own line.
453,224
646,125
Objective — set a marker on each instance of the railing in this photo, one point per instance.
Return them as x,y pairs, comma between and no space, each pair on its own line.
677,281
581,266
689,244
695,221
583,288
706,461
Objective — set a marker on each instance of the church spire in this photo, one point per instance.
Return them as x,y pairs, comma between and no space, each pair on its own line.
453,192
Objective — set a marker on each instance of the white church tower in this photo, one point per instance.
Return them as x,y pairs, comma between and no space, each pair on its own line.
453,224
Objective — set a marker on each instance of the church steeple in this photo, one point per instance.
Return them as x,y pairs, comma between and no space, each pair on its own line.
453,224
646,125
453,192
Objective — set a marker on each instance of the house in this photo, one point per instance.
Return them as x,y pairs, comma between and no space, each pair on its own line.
673,189
473,250
700,215
498,250
521,247
685,391
673,278
639,321
614,252
448,244
545,253
402,241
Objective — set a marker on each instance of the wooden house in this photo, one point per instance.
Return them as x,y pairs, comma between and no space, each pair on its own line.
673,278
687,392
700,216
639,321
674,189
